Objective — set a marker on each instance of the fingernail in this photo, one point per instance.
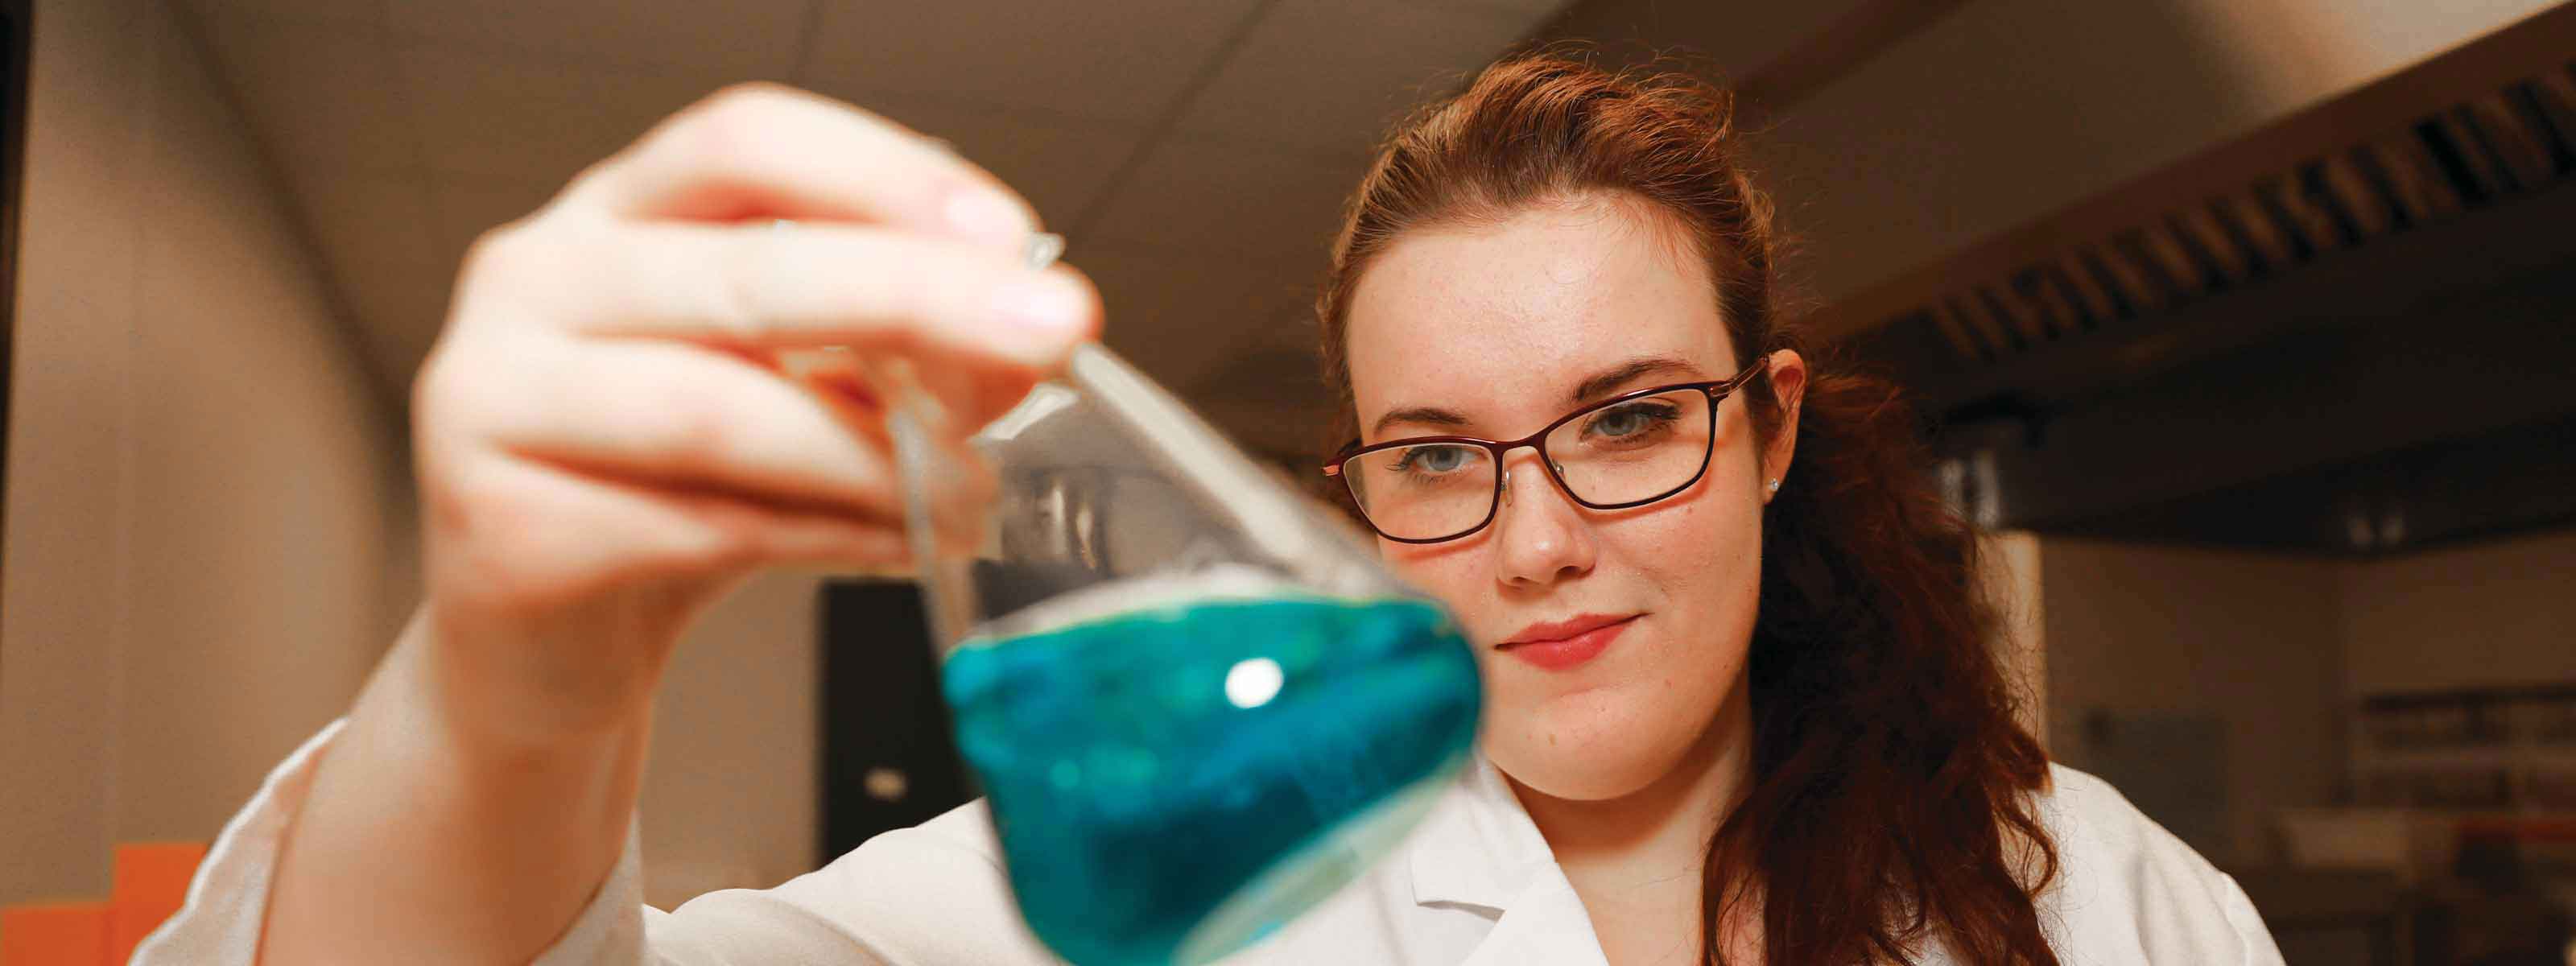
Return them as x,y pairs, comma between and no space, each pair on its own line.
982,214
1045,304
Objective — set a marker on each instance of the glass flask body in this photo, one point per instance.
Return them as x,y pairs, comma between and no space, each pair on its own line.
1195,701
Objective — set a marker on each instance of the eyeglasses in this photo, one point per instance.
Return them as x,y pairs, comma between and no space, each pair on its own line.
1627,451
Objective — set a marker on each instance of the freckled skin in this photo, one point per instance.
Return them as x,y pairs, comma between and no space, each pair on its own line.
1499,322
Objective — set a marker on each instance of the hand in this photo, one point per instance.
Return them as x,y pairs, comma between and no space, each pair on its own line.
605,438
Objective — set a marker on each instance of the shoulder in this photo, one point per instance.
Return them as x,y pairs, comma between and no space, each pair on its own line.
2129,891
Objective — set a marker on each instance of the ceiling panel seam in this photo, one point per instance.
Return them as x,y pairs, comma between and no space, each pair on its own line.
805,42
391,392
1169,120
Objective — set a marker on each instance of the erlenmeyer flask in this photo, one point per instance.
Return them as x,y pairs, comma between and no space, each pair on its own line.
1196,703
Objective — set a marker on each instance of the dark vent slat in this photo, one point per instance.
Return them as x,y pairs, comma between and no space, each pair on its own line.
2476,174
2456,161
2010,316
2416,178
1960,342
2372,212
2208,240
2045,295
1984,347
2379,184
2316,194
2308,230
1999,343
2553,95
2133,276
2503,130
2092,281
2247,216
2552,122
2257,264
2182,273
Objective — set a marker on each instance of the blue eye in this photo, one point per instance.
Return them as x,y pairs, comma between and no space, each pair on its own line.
1433,459
1631,420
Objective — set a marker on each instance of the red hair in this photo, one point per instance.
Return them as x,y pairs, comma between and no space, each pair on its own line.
1891,779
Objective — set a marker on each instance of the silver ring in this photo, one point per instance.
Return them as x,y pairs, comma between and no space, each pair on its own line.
1042,249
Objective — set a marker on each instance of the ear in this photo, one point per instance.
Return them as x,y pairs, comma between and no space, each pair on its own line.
1789,387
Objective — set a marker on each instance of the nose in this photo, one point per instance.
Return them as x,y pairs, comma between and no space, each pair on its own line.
1541,534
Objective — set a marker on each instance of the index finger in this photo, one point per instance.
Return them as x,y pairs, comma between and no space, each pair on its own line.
763,151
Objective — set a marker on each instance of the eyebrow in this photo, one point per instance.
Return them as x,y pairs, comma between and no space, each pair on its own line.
1599,384
1423,415
1615,377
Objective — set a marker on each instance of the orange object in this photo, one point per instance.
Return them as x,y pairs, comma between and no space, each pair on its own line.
56,934
151,883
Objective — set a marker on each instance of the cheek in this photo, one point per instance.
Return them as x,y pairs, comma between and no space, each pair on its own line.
1450,572
1696,548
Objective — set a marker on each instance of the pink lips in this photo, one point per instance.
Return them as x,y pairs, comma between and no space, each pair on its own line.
1558,645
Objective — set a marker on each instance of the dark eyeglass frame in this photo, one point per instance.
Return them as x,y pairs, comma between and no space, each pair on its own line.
1716,392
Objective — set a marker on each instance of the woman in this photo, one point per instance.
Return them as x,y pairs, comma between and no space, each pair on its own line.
1736,712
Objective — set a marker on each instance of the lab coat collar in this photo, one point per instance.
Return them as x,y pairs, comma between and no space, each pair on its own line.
1480,849
1545,925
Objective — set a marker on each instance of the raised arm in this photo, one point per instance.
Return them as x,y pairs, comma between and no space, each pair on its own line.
606,442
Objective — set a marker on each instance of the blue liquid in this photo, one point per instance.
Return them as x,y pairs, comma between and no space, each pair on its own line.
1148,817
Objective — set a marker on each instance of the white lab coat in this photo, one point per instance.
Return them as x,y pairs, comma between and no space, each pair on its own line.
1474,885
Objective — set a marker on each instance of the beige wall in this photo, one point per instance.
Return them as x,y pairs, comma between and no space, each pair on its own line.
2005,110
2249,639
729,798
202,487
209,523
2499,613
2281,647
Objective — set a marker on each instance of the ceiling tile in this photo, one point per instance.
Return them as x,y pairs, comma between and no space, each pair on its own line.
369,219
1530,12
464,208
1272,401
362,13
629,100
503,115
1177,314
497,113
323,97
1061,164
1231,200
376,237
1127,61
1331,75
751,38
1734,39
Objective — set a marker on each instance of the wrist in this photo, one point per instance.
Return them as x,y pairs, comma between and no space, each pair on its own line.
519,694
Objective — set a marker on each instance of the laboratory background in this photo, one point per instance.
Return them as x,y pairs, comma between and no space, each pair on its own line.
2246,329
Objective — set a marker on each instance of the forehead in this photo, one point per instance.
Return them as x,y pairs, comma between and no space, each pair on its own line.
1499,320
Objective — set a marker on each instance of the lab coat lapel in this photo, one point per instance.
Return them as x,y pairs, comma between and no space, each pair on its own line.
1479,849
1544,925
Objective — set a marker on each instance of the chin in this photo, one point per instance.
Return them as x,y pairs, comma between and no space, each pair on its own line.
1590,746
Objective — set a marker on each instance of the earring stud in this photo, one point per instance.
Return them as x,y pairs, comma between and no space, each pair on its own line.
1775,486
